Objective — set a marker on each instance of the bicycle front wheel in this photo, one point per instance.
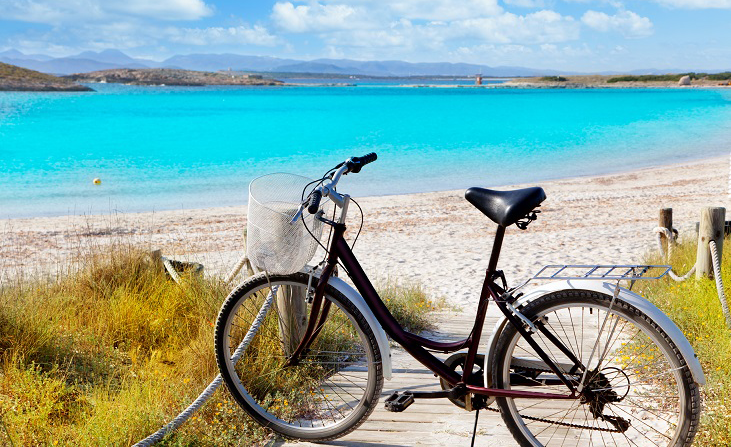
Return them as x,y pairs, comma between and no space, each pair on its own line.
637,388
334,385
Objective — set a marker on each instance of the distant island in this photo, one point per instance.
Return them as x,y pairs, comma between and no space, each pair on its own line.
170,76
624,81
14,78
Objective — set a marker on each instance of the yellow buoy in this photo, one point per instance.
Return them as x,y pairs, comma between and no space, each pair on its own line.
97,181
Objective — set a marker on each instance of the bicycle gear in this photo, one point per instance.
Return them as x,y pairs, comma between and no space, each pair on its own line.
595,399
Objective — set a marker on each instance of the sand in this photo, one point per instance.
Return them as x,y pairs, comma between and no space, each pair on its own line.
435,239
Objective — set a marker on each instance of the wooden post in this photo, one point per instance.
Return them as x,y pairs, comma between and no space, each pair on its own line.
710,229
665,221
292,316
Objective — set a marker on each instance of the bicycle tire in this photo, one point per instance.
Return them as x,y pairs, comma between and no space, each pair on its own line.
332,389
638,367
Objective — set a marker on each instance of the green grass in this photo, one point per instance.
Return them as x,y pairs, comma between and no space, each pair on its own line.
109,353
694,306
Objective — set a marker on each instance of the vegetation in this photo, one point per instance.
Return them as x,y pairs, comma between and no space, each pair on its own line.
725,76
554,79
694,306
410,305
108,354
669,77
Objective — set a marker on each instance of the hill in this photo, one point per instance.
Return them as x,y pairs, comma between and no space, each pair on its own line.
170,76
109,59
14,78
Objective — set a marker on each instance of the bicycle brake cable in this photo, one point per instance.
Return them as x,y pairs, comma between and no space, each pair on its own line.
362,219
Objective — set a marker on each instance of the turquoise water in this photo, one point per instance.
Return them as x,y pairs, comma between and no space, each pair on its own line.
168,148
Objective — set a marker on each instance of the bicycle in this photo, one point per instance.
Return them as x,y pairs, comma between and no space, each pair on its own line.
580,360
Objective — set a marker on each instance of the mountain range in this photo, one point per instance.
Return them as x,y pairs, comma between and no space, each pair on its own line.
108,59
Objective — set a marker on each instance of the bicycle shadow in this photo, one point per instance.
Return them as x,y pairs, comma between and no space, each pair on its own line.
278,443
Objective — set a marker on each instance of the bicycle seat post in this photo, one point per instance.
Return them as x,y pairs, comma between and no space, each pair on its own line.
492,266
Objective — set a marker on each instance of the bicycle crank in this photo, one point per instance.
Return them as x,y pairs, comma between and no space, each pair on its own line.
455,362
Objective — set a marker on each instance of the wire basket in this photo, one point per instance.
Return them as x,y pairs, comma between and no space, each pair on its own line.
273,243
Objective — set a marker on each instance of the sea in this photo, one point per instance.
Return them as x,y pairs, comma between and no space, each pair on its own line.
160,148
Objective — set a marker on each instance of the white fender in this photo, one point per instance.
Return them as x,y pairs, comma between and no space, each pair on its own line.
667,325
360,303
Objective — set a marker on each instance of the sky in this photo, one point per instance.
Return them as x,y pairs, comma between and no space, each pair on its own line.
577,35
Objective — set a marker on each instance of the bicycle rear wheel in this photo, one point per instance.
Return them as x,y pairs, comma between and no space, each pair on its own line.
638,389
335,384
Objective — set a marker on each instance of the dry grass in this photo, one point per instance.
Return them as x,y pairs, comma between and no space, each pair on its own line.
110,352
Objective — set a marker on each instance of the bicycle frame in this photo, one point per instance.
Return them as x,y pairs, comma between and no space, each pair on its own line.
417,346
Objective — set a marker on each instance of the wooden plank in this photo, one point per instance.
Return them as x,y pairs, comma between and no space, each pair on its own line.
425,422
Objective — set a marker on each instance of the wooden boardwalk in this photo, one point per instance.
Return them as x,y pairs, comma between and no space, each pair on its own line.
426,422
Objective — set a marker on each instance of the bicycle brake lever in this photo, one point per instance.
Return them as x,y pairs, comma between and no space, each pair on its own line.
297,215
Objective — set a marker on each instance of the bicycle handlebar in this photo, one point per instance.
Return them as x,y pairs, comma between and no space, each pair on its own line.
327,189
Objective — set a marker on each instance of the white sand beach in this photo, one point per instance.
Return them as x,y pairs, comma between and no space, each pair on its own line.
436,239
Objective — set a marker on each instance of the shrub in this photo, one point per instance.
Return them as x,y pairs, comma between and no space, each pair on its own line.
554,79
694,306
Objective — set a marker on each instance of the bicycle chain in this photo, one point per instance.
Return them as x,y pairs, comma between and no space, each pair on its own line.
563,424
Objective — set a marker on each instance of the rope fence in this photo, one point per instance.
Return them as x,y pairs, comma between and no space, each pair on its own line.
671,237
213,386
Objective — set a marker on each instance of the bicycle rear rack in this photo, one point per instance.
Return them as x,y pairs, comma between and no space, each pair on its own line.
602,272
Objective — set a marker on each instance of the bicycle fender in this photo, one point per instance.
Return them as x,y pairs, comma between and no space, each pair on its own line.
662,320
360,303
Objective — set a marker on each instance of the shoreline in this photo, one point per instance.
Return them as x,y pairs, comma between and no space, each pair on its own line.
422,238
620,170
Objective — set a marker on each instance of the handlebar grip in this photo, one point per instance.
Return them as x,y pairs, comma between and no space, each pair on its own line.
368,158
314,203
356,163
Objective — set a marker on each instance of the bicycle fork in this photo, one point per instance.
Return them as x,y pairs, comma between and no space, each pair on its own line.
317,318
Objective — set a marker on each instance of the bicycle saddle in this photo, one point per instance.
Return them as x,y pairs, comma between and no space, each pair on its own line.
505,207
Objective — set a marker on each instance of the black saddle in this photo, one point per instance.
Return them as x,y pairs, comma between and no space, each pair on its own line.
505,207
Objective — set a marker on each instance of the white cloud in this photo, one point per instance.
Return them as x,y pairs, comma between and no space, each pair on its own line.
539,27
57,12
506,28
50,11
161,9
316,17
628,23
526,3
566,50
443,10
697,4
256,35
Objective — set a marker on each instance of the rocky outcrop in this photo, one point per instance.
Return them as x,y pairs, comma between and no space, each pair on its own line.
13,78
685,80
169,76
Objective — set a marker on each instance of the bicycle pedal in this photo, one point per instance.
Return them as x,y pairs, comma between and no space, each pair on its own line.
399,402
